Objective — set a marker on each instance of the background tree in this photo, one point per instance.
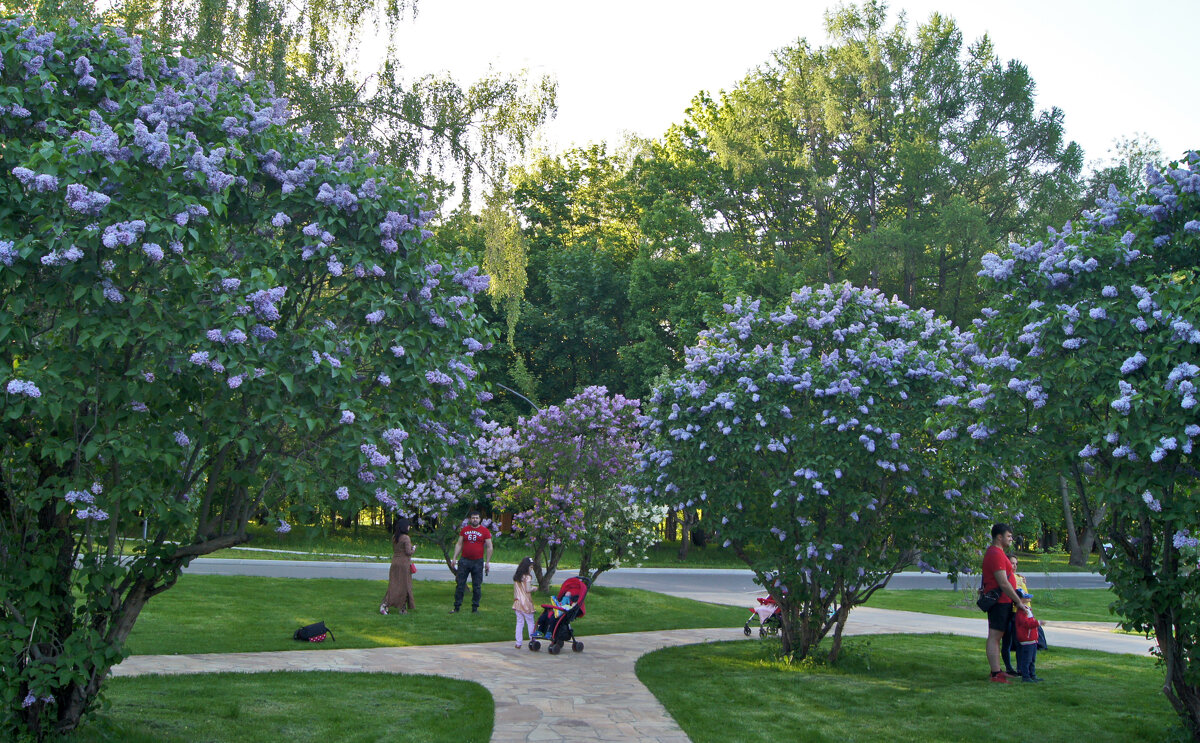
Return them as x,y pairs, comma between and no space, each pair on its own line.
1096,333
889,158
805,432
203,317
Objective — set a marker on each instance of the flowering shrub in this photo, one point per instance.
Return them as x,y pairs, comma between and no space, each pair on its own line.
573,485
1098,335
804,433
462,482
202,318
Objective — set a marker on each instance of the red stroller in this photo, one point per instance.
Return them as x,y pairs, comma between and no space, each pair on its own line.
767,614
554,625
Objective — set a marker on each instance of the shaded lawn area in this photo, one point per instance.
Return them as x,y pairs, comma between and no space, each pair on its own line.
307,707
226,614
1060,604
927,688
374,544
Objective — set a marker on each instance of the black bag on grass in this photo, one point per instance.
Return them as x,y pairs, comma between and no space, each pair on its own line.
313,633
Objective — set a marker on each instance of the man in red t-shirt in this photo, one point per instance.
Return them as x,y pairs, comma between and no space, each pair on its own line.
475,545
998,573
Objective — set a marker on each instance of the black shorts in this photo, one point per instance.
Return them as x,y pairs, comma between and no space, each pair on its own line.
998,616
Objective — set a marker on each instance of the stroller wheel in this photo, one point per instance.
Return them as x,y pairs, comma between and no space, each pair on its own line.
762,631
577,646
554,648
746,629
535,646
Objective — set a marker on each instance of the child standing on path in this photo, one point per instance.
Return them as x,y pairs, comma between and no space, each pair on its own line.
523,599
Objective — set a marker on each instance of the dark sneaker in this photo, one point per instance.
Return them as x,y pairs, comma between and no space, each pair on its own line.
454,610
474,609
1031,679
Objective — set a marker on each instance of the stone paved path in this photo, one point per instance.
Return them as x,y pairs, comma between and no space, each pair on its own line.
594,695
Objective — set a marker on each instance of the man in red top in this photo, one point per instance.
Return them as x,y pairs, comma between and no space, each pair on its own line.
998,573
475,545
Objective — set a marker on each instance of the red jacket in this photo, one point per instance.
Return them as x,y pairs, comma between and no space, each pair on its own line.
1027,628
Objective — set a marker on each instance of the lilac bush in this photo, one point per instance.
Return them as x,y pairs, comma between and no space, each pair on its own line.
1098,332
805,434
175,348
573,485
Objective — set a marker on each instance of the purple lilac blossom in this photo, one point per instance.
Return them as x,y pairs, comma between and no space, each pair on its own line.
22,387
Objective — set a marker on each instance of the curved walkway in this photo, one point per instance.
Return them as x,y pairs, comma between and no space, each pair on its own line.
593,695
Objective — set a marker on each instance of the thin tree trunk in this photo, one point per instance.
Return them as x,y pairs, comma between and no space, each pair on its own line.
1078,556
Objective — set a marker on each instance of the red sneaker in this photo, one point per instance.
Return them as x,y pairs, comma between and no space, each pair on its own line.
999,678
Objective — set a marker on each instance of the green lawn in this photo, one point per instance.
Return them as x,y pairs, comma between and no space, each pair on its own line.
928,688
1061,605
224,614
372,543
308,707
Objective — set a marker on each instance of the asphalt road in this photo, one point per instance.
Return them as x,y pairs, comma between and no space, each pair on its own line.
718,586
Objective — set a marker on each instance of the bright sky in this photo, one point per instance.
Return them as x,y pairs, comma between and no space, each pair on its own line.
1115,67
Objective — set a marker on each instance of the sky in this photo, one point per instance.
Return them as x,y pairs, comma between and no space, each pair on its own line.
1115,67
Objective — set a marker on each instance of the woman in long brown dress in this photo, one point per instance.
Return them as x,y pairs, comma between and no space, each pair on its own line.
399,590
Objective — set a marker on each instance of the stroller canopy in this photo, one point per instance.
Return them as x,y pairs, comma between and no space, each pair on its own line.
578,590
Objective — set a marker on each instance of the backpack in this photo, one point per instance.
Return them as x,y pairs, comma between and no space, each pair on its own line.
313,633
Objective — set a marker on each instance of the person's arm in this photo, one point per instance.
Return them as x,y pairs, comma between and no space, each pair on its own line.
487,555
457,551
1001,577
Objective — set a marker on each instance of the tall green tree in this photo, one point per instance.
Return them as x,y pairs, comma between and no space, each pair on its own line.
888,157
580,225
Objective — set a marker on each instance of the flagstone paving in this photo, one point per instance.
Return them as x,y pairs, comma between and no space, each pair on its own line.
592,695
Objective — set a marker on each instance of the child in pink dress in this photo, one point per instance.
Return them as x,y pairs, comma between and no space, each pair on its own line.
523,599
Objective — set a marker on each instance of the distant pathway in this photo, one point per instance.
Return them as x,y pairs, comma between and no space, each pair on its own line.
592,695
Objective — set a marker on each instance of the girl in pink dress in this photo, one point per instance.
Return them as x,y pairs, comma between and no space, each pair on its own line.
523,599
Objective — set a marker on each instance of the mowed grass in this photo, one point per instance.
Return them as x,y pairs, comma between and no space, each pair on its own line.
371,543
1057,605
225,614
308,707
928,688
